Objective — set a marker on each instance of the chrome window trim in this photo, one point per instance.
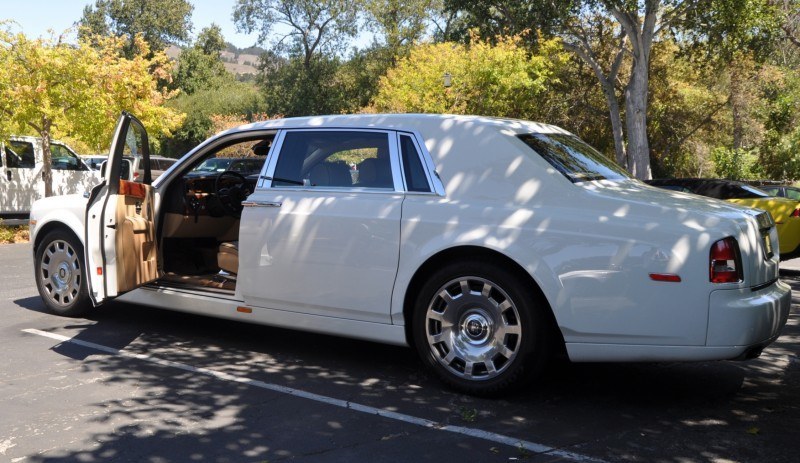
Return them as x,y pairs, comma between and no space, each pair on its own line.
265,181
178,169
421,160
434,181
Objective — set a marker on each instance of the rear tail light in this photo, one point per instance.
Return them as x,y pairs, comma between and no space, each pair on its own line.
795,213
725,263
135,175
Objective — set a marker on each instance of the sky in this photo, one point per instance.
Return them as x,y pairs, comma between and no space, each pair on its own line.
35,17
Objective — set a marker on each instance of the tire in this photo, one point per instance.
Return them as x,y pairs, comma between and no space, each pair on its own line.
60,274
480,328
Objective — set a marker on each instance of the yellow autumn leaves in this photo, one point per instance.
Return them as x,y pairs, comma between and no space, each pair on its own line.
78,90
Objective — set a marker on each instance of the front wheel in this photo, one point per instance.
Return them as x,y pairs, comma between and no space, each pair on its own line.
479,328
60,275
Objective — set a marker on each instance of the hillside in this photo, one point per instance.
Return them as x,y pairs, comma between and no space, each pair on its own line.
236,63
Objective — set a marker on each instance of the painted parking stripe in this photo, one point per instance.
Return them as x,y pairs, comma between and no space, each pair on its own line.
471,432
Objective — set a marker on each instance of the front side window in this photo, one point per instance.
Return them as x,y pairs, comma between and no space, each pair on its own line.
573,158
334,159
62,158
20,155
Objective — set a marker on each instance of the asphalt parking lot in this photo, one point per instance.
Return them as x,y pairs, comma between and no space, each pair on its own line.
145,385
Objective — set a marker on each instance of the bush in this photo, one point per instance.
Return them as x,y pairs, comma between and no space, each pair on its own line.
14,234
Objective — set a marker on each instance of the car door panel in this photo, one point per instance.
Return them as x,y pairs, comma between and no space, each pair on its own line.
322,253
120,221
321,250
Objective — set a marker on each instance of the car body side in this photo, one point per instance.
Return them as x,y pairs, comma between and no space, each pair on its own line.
785,211
589,248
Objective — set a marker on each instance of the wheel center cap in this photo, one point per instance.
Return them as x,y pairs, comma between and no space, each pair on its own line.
476,328
62,273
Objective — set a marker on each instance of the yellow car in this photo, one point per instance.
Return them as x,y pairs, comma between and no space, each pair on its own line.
785,212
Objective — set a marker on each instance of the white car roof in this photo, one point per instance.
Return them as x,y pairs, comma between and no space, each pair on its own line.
401,121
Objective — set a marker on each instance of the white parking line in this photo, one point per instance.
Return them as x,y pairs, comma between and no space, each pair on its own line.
471,432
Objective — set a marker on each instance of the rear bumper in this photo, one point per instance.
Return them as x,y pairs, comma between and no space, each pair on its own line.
744,318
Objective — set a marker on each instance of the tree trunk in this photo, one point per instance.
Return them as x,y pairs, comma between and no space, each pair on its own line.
616,125
47,171
583,49
636,120
738,103
640,31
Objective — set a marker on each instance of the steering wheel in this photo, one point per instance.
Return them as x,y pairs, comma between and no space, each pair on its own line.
231,196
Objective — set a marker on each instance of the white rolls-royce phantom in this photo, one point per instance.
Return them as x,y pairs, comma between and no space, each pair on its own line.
488,245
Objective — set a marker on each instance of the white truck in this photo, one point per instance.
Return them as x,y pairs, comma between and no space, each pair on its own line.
22,183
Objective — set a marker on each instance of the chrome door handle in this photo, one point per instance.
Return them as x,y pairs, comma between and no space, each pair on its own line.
262,203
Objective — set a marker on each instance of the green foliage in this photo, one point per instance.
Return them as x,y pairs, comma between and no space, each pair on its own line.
688,114
210,40
65,90
733,164
200,66
718,29
359,76
779,153
229,98
498,18
400,23
493,80
294,88
307,28
159,22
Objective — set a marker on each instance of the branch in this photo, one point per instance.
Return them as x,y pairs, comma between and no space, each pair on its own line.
790,35
705,121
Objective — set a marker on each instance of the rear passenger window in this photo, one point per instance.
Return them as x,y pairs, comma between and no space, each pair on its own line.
20,155
334,159
412,166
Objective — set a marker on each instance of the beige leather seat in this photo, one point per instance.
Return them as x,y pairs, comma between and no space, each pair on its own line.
228,257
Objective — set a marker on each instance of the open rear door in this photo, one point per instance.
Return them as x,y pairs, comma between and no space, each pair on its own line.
120,230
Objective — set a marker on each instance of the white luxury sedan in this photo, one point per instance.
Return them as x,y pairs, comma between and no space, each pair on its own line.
488,245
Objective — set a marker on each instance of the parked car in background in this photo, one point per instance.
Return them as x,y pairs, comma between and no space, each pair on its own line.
133,167
489,245
785,211
782,191
244,166
94,160
22,181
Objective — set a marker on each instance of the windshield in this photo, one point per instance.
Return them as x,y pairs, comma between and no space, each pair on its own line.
731,190
213,165
575,159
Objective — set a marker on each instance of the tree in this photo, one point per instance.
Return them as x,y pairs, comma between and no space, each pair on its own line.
496,18
398,22
228,98
633,25
295,88
55,89
200,66
492,80
311,27
159,22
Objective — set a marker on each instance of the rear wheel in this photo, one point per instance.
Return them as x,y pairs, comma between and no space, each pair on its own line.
60,274
479,328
